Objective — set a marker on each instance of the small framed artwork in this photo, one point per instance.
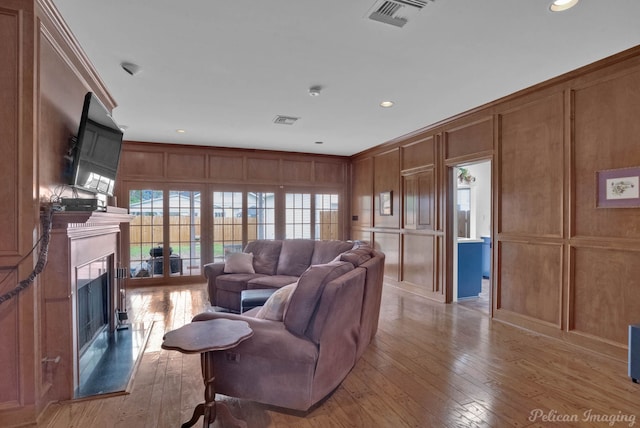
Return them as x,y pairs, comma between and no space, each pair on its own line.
386,203
618,188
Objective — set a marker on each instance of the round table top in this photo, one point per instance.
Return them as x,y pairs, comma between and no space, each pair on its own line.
203,336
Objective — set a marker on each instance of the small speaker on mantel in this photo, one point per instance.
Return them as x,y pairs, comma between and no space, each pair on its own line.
634,352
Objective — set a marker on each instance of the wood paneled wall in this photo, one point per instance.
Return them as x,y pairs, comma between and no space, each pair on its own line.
16,23
43,78
153,162
560,266
207,169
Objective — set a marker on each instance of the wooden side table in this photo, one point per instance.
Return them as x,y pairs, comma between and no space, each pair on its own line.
206,337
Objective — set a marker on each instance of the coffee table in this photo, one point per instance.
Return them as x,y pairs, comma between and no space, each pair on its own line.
205,338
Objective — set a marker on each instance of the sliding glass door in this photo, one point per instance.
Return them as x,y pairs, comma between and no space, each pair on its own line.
178,228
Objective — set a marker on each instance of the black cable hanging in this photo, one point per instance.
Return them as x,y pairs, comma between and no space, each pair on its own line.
46,218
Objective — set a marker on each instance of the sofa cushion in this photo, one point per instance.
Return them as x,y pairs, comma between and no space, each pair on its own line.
276,305
265,255
295,256
235,282
357,256
305,297
239,263
326,251
275,281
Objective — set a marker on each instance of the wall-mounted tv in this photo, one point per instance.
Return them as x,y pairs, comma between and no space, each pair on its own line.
97,151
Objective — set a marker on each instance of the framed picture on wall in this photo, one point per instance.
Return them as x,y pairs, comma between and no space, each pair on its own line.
386,203
618,188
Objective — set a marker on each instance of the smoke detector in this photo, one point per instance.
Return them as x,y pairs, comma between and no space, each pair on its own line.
395,12
131,68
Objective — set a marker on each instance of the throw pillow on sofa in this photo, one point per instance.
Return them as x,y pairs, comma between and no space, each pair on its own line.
239,263
276,305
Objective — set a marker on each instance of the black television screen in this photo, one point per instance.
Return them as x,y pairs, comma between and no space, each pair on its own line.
97,150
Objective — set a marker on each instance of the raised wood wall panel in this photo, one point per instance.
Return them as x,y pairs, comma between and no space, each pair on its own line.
419,197
61,99
469,139
326,172
295,171
411,192
426,200
141,164
530,280
390,245
531,160
10,349
362,192
605,295
183,166
223,168
417,267
386,178
263,170
606,137
418,154
10,95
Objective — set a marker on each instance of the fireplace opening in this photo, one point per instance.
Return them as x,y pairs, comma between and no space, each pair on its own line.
93,312
92,309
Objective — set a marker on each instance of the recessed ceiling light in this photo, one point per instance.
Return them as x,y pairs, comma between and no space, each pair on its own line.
180,131
386,104
560,5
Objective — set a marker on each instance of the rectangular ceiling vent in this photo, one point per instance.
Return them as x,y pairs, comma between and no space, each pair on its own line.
395,12
285,120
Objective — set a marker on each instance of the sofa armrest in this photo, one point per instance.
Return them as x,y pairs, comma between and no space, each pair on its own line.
211,272
270,338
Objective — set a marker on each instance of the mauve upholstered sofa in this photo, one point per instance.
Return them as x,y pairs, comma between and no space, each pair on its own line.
276,263
330,316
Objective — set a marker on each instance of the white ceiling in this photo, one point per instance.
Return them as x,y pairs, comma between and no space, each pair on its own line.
223,70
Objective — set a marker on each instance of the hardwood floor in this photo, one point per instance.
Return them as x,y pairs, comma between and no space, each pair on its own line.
430,365
481,303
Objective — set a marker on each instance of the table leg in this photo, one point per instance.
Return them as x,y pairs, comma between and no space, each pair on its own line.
197,412
208,375
207,409
210,408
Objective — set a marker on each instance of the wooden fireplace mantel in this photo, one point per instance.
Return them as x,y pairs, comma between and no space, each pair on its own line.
77,238
65,219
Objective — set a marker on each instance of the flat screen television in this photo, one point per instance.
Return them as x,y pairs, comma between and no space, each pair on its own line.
97,150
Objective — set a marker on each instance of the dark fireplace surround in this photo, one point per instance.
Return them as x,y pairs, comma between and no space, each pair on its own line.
82,296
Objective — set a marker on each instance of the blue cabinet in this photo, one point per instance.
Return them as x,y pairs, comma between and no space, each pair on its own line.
469,267
486,256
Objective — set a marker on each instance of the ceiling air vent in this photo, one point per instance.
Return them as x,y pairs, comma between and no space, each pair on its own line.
285,120
395,12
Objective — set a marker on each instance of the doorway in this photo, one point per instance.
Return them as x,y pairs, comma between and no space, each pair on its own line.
472,235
